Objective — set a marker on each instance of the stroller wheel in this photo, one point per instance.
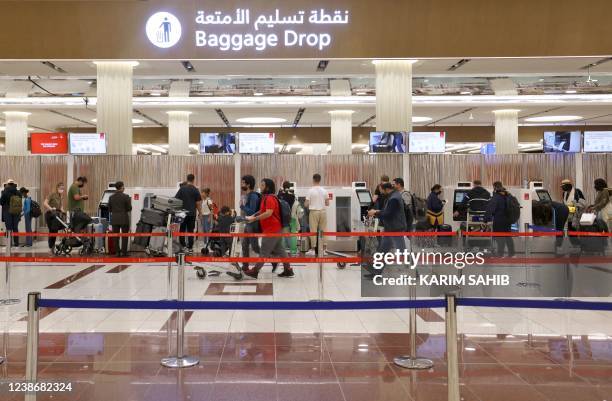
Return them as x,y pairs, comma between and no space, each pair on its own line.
57,251
67,250
205,251
201,273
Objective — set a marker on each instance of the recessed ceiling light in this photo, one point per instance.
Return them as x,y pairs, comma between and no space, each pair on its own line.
571,91
261,120
465,93
416,119
258,94
134,120
155,93
550,119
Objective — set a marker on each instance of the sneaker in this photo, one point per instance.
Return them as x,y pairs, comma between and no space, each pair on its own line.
252,273
236,276
287,274
311,253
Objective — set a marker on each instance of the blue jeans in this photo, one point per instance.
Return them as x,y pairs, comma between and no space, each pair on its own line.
28,228
206,223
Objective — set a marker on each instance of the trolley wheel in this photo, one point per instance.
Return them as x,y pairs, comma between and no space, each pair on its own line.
67,250
341,265
57,251
205,251
201,273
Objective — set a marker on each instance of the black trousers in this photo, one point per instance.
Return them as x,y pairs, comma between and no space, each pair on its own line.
187,226
124,228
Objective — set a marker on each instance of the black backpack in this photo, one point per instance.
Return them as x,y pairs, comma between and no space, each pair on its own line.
408,208
419,207
513,209
285,212
35,210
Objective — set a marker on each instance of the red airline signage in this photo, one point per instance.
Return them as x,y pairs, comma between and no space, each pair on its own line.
49,143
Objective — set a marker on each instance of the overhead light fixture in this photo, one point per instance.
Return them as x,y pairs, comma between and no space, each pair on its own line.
131,63
298,117
458,64
156,94
506,111
258,94
54,67
134,120
465,93
188,66
471,116
322,65
261,120
417,119
571,91
551,119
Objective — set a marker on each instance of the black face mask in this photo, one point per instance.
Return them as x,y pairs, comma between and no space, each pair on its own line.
244,188
566,187
80,185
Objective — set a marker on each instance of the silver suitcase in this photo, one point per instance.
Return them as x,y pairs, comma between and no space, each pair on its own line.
158,244
166,203
304,244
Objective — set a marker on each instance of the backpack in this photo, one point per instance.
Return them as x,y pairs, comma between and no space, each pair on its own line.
35,210
15,206
408,206
419,207
285,212
513,209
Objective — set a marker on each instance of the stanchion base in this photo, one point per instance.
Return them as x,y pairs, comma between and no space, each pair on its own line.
184,362
6,302
320,300
408,362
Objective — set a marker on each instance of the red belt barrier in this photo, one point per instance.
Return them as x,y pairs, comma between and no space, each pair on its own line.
87,235
511,234
83,259
200,259
587,234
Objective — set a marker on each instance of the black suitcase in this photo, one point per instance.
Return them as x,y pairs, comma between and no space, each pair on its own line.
143,228
444,240
593,244
154,217
166,203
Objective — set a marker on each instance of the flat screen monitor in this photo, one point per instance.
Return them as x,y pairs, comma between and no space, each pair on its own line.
488,149
426,142
217,143
106,196
88,144
543,195
561,141
256,143
365,197
387,142
597,141
55,143
460,196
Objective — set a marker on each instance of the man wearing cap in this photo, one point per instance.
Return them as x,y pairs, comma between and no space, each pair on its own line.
574,199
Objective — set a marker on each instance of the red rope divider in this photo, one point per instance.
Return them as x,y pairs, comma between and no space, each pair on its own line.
82,259
511,234
87,235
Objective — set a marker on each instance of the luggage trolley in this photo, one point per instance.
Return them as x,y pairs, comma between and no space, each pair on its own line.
474,222
235,251
368,245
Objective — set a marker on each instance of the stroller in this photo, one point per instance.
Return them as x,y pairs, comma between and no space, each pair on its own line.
78,224
222,245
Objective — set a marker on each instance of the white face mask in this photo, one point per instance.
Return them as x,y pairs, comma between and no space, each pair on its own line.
61,191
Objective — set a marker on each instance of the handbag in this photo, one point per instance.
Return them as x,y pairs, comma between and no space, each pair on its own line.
587,219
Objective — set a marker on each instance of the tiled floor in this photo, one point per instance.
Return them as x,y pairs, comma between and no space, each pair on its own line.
288,367
505,354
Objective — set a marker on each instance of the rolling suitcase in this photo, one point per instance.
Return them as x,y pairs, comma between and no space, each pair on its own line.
158,244
166,203
99,226
593,244
445,240
142,228
154,217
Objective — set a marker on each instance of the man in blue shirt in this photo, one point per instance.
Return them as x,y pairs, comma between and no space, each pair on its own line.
249,206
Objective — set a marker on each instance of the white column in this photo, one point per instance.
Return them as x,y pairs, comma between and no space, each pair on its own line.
506,132
393,95
114,104
341,132
178,132
16,138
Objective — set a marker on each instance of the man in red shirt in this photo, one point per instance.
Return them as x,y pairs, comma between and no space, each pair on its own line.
269,217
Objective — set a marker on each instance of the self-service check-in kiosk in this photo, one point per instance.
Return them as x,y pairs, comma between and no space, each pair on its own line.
457,194
530,198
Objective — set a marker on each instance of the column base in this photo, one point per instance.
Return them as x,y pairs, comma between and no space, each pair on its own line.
183,362
408,362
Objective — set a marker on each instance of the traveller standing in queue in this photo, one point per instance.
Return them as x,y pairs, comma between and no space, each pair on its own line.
27,214
269,217
120,206
76,198
435,207
53,207
497,211
603,203
574,199
12,208
286,194
207,206
192,203
394,219
249,206
378,202
476,192
316,201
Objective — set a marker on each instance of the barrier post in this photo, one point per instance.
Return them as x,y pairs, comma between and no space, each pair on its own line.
170,248
320,253
32,338
452,357
412,361
180,360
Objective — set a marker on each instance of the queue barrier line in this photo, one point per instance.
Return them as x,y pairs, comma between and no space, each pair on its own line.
86,235
84,259
534,304
240,305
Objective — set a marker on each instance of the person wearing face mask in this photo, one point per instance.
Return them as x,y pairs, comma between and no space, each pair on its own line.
249,206
603,203
574,199
53,206
76,199
435,206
